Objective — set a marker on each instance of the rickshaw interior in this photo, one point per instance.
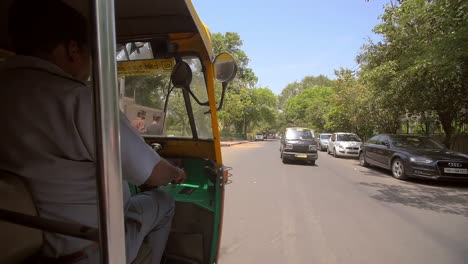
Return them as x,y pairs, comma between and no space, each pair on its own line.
166,68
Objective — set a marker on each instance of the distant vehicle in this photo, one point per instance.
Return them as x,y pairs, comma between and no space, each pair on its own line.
344,145
298,144
413,156
259,136
322,141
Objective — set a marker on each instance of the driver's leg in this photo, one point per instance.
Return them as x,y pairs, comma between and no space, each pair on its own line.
149,215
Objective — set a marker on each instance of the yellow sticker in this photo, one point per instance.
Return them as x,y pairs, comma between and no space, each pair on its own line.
144,67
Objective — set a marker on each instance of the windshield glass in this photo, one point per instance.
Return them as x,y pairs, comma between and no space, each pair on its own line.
298,134
144,85
325,136
348,137
415,142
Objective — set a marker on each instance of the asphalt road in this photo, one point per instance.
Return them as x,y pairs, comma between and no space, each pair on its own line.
336,212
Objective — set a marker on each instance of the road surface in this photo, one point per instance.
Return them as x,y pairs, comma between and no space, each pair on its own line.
336,212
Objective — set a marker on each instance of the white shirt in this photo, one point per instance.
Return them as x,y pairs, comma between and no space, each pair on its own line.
47,136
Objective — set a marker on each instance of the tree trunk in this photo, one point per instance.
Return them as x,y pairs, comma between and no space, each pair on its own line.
446,120
245,127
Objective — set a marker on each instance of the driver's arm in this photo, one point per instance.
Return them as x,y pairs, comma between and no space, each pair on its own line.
140,163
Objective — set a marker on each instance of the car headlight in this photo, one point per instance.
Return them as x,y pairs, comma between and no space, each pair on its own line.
420,160
340,147
312,147
288,146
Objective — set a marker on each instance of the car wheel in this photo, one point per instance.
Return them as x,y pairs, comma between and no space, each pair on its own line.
398,169
362,159
284,160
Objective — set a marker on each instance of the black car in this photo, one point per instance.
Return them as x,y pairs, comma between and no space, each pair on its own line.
413,156
298,144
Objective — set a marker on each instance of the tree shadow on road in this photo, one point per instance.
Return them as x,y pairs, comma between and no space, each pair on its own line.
441,197
374,171
299,163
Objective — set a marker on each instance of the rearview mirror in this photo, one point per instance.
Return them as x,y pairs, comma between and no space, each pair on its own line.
181,75
225,71
225,68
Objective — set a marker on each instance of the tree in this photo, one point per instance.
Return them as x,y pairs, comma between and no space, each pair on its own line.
293,89
351,105
422,62
149,91
231,43
311,107
246,107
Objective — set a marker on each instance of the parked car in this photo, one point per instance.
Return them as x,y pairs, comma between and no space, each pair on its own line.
298,144
413,156
259,136
344,145
322,141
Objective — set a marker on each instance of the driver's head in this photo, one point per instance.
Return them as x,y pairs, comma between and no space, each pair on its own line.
52,30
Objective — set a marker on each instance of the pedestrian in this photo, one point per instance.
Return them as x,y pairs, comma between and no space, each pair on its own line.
156,128
139,122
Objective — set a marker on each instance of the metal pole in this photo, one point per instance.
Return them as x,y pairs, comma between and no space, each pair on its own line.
109,180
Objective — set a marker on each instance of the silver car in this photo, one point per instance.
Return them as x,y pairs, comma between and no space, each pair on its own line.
344,145
322,141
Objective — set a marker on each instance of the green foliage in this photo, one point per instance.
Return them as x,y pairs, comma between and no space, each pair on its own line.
420,66
147,90
422,62
295,88
311,106
231,42
247,108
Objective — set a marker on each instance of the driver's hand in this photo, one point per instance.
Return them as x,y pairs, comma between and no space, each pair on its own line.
164,173
180,176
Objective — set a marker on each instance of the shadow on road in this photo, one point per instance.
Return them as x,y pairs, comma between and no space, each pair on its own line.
300,163
442,197
374,171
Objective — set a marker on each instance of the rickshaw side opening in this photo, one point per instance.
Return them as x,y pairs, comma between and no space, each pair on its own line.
179,31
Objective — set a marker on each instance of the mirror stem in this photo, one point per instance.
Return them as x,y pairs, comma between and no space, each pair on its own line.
222,96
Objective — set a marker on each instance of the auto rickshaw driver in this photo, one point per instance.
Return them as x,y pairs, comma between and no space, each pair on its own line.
50,142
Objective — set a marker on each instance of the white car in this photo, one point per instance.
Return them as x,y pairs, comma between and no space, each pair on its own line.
259,136
344,145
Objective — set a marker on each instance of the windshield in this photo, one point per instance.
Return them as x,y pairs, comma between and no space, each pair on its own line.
144,86
348,137
414,142
325,136
298,134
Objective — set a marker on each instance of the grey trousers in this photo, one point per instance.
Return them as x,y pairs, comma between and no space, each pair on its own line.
149,216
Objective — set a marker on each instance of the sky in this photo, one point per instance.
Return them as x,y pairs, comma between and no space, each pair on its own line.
288,40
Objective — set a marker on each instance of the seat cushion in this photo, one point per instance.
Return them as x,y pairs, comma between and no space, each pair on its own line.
18,243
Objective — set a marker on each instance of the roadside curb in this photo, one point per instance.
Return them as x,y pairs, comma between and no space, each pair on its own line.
228,144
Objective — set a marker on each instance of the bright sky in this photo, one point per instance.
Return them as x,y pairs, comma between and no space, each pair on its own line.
288,40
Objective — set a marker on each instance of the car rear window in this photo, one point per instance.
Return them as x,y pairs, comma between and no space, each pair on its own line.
415,142
298,134
348,137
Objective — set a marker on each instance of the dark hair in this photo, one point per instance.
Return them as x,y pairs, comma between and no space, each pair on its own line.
156,118
40,26
141,113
